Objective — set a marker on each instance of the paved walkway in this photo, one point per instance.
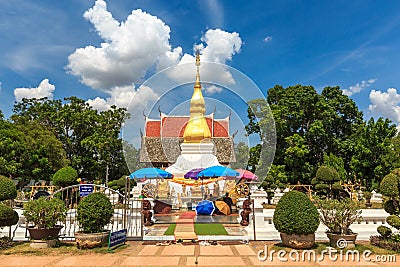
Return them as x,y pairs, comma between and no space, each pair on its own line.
184,229
185,254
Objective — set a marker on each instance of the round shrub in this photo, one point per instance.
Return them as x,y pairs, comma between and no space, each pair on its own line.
367,195
94,212
296,214
8,216
390,185
65,177
327,174
384,231
390,206
7,189
394,221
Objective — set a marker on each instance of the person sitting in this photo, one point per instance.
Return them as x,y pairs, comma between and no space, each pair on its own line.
228,201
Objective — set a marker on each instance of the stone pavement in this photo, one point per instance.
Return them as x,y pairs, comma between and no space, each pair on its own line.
187,254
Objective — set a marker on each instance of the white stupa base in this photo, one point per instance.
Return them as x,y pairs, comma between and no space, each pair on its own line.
193,155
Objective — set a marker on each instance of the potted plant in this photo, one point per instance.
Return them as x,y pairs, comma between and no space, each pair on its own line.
45,214
93,213
338,215
297,219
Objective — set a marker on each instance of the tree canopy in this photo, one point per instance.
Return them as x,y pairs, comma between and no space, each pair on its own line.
313,129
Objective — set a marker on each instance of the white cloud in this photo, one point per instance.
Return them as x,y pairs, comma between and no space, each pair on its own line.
386,104
127,97
267,39
212,89
133,47
354,89
130,48
219,47
45,89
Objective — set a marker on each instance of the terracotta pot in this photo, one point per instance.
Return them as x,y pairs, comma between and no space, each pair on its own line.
92,240
346,241
298,241
43,233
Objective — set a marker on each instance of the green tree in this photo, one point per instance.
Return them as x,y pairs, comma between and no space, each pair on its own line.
372,144
242,156
90,138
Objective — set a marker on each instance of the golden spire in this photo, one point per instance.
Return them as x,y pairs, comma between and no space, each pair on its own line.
197,129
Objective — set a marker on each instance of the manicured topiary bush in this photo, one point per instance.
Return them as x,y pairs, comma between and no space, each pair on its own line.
326,181
296,214
7,189
65,177
94,212
389,186
8,216
384,231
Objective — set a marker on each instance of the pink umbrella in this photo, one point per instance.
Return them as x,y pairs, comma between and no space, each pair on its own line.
248,175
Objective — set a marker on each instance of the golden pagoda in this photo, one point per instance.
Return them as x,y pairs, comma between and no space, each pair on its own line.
197,130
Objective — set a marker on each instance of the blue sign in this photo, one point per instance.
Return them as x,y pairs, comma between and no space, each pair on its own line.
85,190
117,238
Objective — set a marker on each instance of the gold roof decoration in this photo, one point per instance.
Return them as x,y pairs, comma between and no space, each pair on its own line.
197,129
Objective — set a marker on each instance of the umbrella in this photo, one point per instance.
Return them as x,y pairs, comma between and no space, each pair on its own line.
150,173
223,207
205,207
193,174
245,174
217,171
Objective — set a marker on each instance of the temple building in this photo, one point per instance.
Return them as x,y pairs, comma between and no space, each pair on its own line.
169,138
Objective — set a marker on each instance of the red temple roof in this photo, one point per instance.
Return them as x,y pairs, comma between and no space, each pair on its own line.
174,126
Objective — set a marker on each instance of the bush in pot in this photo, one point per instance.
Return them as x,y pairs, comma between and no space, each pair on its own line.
45,214
94,212
338,215
297,219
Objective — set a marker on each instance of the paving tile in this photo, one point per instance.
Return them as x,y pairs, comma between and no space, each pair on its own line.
245,250
149,250
88,260
275,262
215,261
215,250
361,262
150,261
178,250
14,260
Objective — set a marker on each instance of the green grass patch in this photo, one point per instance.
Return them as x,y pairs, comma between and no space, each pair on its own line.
209,229
170,230
201,229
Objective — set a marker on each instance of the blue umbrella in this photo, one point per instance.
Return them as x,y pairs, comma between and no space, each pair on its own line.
150,173
218,171
205,207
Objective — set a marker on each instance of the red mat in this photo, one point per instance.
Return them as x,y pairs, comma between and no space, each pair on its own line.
188,215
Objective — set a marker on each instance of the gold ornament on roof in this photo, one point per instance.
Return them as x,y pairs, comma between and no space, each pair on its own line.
197,129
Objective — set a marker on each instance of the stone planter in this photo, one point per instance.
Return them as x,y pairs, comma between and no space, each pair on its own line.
342,241
92,240
298,241
43,233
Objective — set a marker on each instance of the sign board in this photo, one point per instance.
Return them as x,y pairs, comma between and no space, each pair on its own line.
117,238
85,190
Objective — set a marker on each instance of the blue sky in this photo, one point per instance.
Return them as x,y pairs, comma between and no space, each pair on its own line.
352,44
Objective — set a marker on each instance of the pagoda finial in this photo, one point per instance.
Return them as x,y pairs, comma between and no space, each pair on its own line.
197,84
197,129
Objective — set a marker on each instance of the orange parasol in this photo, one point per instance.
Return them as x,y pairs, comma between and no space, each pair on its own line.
223,207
